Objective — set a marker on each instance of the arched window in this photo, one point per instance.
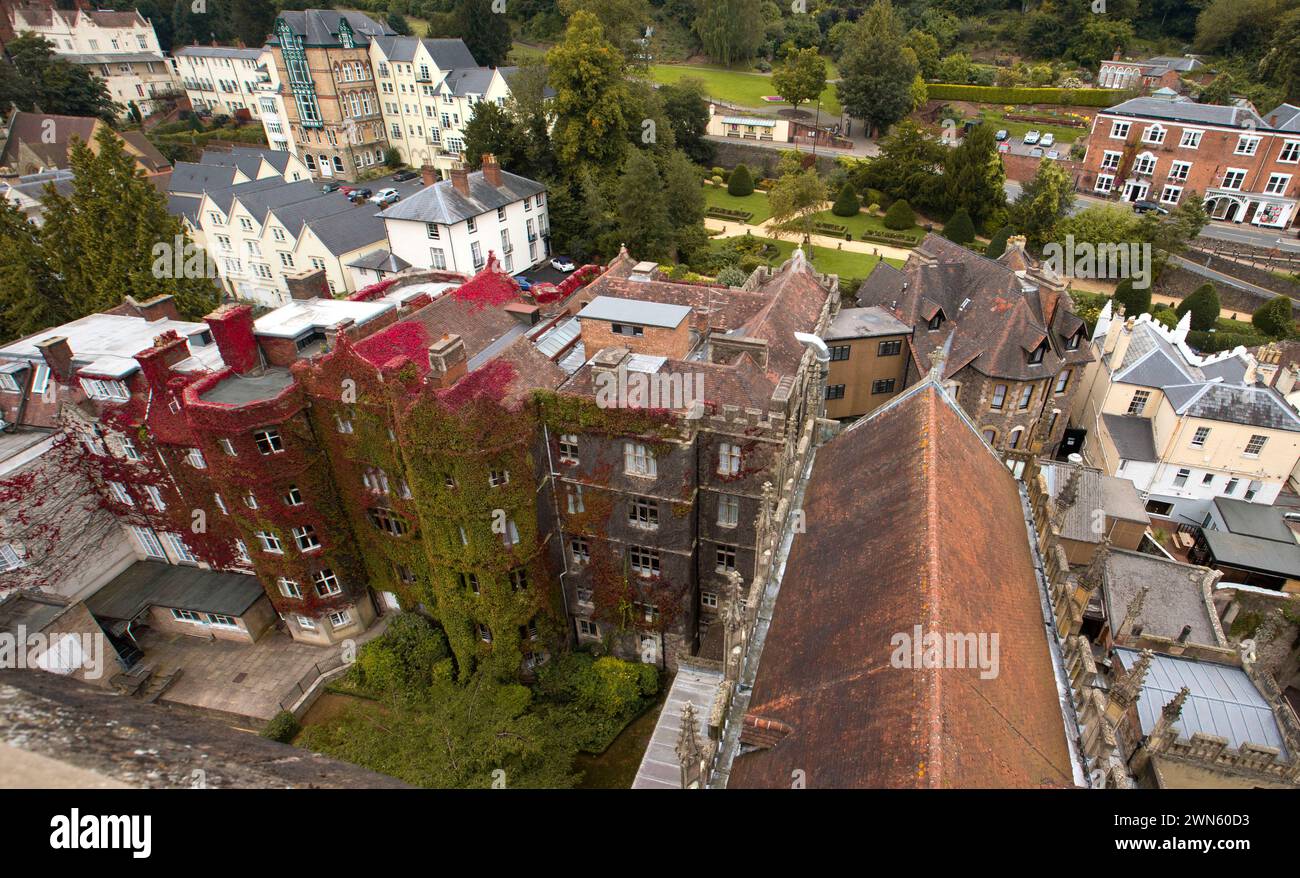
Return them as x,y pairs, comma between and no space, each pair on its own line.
990,435
1013,441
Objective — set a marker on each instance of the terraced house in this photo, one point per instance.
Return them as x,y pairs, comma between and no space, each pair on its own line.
1242,163
445,442
1013,346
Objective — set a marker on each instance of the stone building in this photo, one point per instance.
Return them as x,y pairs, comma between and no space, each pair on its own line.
1014,346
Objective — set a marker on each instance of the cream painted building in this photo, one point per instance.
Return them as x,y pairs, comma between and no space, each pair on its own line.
119,47
269,96
1184,428
222,79
428,89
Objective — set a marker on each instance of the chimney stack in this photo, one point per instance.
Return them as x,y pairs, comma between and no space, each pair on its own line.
155,309
1186,633
158,361
460,179
232,330
447,361
308,284
491,170
58,356
428,175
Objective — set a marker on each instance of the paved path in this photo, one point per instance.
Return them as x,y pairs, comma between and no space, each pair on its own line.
735,230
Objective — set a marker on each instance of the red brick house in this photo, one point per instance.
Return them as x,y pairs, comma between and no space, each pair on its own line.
1243,164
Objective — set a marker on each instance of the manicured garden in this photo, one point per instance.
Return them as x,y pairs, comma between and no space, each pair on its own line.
754,204
845,263
870,224
741,88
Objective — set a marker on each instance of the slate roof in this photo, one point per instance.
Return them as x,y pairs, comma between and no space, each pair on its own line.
348,229
201,51
380,260
1188,112
191,178
1254,406
994,312
912,520
468,81
1253,519
442,203
1132,437
1176,596
320,27
450,54
157,584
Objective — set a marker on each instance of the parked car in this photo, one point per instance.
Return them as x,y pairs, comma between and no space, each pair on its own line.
524,283
403,176
1048,139
385,197
1001,135
330,186
562,263
360,195
1031,138
1145,206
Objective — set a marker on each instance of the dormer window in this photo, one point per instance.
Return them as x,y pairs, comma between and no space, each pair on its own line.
1036,355
1074,341
936,321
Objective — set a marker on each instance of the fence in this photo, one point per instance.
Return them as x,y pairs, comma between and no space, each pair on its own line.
308,679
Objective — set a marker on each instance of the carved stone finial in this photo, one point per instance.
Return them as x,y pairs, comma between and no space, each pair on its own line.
1133,611
689,752
1070,490
1094,575
1127,690
1174,708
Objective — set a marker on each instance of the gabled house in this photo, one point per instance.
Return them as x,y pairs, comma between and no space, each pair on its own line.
1013,346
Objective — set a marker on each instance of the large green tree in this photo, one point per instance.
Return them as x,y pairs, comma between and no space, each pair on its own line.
641,209
486,31
685,202
624,21
492,129
592,105
34,78
687,110
798,195
729,30
878,70
973,176
1043,203
801,76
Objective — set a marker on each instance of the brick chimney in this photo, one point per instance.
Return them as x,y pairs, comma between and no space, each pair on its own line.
309,284
428,175
460,179
491,170
158,361
447,361
58,355
232,330
157,308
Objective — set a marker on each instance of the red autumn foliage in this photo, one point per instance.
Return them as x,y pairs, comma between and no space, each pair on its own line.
407,339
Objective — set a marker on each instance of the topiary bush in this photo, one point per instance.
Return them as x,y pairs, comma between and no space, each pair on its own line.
741,183
900,216
846,204
959,229
998,243
1166,315
1204,306
1275,318
282,727
1135,301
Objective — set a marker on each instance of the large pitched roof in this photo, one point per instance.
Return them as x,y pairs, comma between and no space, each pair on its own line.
320,27
996,311
442,203
911,521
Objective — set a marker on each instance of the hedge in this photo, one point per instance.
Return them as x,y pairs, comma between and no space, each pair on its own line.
992,94
889,238
726,213
1213,342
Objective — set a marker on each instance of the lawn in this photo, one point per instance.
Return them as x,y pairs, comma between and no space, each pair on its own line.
845,263
716,196
865,222
519,51
740,87
1064,134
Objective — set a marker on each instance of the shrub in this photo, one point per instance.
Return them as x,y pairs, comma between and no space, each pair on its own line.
980,94
900,216
403,659
1166,315
959,229
1135,301
1204,306
998,243
282,727
741,183
732,276
1213,342
1275,318
717,181
880,199
847,203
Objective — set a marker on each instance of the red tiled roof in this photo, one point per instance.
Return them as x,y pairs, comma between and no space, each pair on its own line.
926,529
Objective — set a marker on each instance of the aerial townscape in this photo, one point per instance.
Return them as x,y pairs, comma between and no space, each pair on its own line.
591,394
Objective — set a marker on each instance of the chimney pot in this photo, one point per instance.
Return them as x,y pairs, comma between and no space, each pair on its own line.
1186,632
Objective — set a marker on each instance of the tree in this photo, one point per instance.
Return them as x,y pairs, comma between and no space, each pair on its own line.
31,297
878,71
685,201
926,49
998,243
1203,305
729,30
973,176
908,167
1275,318
1135,301
959,229
687,111
801,76
40,81
485,31
740,183
846,203
1282,62
398,22
1043,202
956,68
642,211
592,105
900,216
624,21
252,20
796,198
491,129
1218,92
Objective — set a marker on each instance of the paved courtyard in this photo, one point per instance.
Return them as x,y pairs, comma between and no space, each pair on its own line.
244,679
